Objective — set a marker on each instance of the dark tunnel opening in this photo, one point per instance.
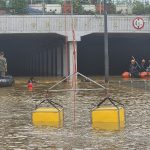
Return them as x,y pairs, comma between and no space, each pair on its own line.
121,49
19,48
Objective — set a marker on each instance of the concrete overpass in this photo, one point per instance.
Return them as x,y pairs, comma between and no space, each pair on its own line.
52,61
60,24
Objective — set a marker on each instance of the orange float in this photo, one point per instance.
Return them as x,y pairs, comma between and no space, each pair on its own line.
144,74
30,86
126,74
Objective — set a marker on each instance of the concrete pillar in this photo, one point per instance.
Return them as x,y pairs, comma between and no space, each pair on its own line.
30,66
36,64
65,61
52,51
45,63
25,65
49,63
54,62
71,56
61,51
33,66
58,56
41,63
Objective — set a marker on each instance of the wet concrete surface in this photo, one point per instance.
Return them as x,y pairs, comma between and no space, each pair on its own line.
17,105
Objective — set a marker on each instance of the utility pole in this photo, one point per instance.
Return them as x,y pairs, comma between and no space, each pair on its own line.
71,7
106,44
43,6
100,7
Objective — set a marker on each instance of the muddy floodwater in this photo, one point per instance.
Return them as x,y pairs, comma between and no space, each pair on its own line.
17,104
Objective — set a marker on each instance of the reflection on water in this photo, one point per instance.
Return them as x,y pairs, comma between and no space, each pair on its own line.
18,133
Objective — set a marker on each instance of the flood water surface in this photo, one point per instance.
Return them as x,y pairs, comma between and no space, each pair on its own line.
18,133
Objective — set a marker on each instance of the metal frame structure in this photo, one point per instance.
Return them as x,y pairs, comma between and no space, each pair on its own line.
75,89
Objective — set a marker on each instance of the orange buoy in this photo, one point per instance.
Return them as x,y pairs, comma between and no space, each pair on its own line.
30,86
143,74
126,74
148,73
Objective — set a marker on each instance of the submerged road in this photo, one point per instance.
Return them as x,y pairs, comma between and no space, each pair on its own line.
18,133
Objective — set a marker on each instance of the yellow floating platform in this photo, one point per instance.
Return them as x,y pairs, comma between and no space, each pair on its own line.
48,117
108,118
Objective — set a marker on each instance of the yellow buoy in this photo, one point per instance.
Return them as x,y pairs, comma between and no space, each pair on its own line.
48,116
108,118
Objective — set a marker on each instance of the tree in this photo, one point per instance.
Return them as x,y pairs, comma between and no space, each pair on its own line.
18,5
138,8
2,4
111,8
77,7
84,1
53,1
147,8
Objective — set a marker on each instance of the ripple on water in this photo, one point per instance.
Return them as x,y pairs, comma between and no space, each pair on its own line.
17,132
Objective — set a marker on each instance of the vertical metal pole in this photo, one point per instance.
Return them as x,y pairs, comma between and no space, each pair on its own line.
106,44
100,7
43,6
71,7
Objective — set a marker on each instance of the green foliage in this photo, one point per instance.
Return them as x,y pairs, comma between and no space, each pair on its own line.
53,1
147,8
18,5
138,8
84,1
77,7
2,4
111,8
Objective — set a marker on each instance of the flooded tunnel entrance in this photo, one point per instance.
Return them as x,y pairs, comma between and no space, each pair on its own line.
42,54
32,54
121,49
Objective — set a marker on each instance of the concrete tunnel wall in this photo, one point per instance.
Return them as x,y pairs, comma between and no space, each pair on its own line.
33,54
121,49
44,54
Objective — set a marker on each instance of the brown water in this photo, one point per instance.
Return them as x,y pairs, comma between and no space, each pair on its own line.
18,133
